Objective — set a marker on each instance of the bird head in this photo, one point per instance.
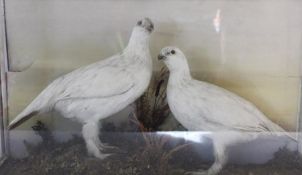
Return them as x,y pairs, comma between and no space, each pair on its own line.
174,58
146,24
140,35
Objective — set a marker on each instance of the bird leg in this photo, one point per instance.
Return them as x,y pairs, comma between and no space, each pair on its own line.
220,158
220,161
93,143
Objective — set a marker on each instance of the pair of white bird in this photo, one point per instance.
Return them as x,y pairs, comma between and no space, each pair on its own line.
99,90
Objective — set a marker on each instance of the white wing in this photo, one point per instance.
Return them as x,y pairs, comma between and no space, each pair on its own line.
100,80
228,110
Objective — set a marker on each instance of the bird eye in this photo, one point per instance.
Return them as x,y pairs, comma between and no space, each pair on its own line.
139,23
173,51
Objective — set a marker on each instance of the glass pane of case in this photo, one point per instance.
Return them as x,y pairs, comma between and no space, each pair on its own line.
247,52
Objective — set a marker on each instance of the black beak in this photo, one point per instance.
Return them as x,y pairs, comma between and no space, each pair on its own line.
161,57
150,28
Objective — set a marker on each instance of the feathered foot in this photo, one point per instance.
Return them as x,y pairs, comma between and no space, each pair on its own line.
93,144
220,160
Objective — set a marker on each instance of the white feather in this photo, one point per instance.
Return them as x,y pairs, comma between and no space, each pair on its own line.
201,106
96,91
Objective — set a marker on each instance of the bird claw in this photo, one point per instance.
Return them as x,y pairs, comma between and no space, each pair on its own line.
108,148
102,156
196,173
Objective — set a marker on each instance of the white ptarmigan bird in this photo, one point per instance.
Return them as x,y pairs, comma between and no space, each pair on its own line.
99,90
201,106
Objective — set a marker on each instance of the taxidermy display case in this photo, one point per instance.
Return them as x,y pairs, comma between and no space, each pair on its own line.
131,87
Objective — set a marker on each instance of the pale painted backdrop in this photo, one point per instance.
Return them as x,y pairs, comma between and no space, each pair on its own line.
254,52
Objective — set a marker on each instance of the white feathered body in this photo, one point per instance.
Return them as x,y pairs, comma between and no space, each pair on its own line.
202,106
99,90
